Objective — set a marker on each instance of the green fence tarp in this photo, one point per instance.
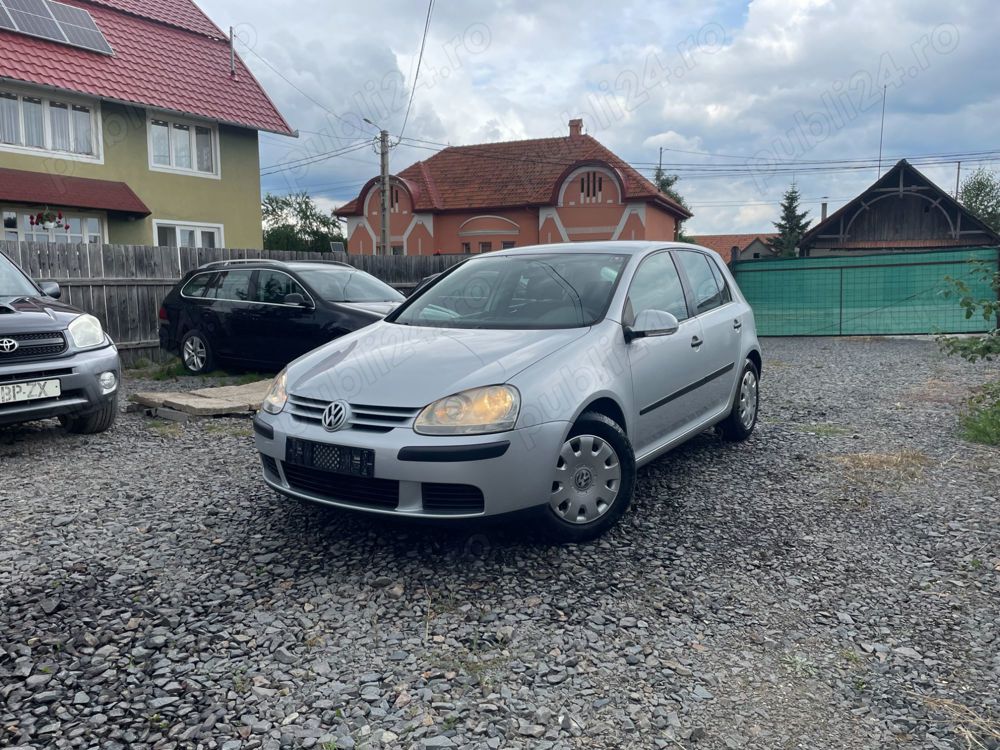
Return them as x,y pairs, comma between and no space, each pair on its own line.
864,295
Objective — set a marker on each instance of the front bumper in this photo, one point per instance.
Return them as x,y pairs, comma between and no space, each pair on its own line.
419,475
77,374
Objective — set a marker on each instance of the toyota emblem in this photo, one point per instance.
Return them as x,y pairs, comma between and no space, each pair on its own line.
335,416
8,345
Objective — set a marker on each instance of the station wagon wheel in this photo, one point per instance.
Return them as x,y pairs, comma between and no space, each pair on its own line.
592,481
196,353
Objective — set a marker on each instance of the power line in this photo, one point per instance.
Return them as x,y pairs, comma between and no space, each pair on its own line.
420,58
313,160
333,152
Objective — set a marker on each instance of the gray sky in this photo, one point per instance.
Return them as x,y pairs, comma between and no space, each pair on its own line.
744,97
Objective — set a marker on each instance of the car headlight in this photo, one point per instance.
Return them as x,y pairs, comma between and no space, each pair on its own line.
275,399
86,332
473,412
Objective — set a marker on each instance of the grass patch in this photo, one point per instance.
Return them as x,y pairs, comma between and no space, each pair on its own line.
980,421
824,430
165,428
976,730
229,428
902,465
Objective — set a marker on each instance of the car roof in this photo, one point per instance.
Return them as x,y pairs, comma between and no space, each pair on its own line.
620,247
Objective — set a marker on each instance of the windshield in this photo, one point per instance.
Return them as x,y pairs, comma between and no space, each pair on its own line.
519,291
344,285
12,282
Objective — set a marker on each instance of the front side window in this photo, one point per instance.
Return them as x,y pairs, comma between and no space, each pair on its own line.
698,269
13,283
656,286
559,290
182,146
344,285
48,124
180,235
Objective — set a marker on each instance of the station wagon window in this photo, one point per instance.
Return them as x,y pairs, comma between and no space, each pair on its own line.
698,268
231,285
272,286
196,286
656,286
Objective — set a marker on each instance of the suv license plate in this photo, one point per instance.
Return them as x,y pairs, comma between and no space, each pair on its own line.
11,392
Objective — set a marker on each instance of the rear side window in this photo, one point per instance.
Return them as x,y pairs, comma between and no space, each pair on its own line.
698,268
197,285
272,286
231,285
656,286
727,296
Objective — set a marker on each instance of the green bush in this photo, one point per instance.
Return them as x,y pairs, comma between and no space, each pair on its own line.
981,420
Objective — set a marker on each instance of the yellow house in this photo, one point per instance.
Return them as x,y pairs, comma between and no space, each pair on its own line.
127,122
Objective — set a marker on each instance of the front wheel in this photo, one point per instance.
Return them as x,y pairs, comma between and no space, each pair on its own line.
97,421
592,481
742,417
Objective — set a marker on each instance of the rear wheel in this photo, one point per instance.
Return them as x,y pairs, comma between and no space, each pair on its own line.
592,481
196,353
97,421
743,416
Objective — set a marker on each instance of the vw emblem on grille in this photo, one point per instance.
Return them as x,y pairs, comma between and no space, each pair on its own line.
8,345
335,416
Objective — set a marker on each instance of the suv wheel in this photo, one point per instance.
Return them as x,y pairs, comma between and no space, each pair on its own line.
592,481
98,421
196,354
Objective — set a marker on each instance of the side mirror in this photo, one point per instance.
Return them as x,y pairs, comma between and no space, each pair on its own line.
51,289
295,299
652,323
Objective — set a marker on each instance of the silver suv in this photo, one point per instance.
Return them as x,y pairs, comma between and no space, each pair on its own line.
537,377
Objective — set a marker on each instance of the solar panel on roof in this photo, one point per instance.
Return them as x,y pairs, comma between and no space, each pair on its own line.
54,21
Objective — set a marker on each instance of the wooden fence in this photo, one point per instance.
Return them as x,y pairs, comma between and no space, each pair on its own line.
123,285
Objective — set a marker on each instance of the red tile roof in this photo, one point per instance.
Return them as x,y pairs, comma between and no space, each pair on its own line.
723,243
512,174
45,189
168,55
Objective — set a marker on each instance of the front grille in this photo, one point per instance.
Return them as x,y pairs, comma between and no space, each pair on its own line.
372,493
363,416
270,465
36,375
34,345
452,498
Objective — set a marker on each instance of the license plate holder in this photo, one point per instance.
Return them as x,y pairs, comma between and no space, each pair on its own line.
337,459
31,390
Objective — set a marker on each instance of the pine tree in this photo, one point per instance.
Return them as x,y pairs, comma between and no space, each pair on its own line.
792,225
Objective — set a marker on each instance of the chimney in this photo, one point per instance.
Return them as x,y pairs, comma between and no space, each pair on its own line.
734,253
822,211
575,128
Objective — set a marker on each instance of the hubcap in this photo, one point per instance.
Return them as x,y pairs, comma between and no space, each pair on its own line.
748,399
586,479
195,354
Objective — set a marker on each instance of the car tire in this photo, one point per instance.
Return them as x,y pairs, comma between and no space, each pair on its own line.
97,421
196,353
742,418
596,452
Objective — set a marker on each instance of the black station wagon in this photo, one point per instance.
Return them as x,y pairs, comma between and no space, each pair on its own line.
265,313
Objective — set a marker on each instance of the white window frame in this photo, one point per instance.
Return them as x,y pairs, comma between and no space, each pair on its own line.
57,235
96,124
198,226
171,120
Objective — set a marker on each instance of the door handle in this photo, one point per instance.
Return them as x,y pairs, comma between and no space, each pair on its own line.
737,324
695,342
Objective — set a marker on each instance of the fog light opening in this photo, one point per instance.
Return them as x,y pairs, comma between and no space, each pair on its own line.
108,382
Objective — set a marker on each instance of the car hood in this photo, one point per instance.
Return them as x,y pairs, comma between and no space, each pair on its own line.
379,308
28,314
393,365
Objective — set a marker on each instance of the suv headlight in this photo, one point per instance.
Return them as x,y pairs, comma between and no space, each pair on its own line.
476,411
275,399
86,332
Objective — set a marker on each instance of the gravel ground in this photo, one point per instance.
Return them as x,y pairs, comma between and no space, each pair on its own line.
832,583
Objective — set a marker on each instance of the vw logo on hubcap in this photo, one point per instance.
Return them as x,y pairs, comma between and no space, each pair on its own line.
335,416
583,478
8,345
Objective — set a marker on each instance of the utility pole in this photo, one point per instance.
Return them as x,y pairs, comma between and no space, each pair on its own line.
958,178
383,141
660,167
881,130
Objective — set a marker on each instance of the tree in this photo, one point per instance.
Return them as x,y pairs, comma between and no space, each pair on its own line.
295,222
980,193
665,183
792,224
986,346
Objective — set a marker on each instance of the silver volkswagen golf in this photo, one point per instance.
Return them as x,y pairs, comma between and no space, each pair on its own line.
532,378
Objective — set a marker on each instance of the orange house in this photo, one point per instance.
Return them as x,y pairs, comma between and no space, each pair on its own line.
473,199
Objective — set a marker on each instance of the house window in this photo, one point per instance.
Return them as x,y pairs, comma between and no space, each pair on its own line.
169,234
397,250
467,248
485,247
21,224
36,123
508,244
591,187
177,146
